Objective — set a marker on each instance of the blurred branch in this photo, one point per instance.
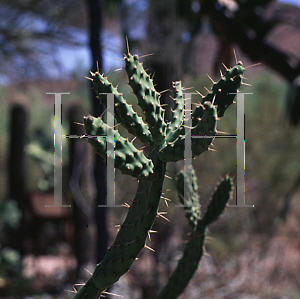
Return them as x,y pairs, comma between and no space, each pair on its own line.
253,45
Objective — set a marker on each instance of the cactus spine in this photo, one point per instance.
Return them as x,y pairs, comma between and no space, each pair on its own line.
166,142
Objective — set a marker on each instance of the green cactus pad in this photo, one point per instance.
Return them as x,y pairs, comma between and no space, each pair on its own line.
88,291
148,97
193,251
128,159
218,202
123,112
173,150
178,109
186,266
133,233
224,91
191,203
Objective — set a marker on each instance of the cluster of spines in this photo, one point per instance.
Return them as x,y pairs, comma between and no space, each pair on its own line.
128,159
148,97
191,203
123,111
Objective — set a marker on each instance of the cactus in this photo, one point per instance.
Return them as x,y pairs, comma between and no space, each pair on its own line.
193,252
166,144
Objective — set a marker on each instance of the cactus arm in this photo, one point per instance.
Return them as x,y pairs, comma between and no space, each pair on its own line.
191,203
186,266
148,97
223,92
88,291
128,159
173,151
193,252
123,112
131,238
218,202
177,111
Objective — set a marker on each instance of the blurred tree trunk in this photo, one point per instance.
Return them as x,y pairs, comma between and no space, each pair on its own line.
162,37
16,171
255,47
81,213
95,17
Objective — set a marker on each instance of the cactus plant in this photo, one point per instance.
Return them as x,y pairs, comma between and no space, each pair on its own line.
193,251
166,144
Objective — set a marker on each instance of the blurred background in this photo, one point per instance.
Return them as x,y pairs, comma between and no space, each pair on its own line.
49,46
